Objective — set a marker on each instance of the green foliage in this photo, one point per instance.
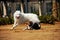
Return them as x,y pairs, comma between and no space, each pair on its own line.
47,19
4,21
44,19
36,12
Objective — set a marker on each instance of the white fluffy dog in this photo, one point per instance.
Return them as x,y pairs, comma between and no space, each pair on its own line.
20,18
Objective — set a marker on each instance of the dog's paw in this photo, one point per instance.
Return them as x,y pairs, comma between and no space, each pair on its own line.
25,29
12,28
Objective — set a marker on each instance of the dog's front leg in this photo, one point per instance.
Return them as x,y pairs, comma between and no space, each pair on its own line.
27,27
14,25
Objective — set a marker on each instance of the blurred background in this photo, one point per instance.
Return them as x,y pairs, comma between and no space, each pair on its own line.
48,11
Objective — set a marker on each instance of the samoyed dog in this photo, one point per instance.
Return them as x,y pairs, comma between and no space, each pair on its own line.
20,18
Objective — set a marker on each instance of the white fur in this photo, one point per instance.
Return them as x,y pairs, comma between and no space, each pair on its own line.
24,17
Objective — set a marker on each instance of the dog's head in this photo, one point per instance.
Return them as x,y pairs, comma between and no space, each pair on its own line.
17,14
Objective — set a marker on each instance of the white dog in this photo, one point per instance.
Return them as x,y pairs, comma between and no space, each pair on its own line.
20,18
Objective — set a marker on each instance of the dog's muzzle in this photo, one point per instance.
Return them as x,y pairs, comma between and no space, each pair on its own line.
17,17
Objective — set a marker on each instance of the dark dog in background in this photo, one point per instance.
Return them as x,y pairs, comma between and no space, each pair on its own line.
34,25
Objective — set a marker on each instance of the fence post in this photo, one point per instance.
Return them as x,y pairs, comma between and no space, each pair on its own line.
54,8
39,9
21,7
4,9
